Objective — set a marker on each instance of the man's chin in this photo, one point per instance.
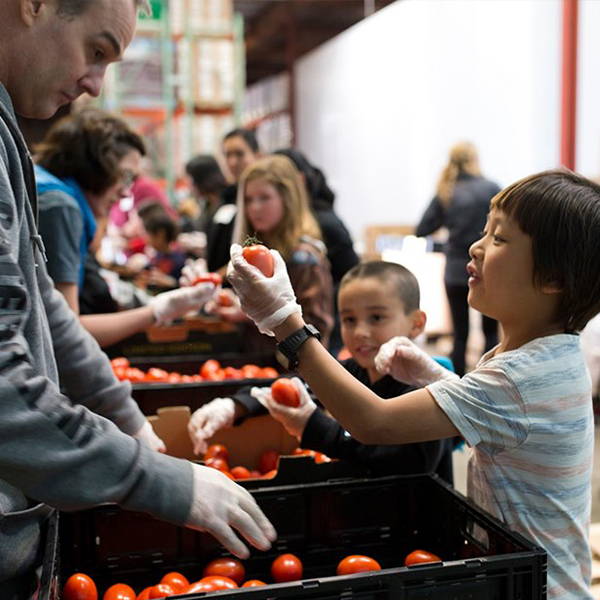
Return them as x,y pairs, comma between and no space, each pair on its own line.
39,112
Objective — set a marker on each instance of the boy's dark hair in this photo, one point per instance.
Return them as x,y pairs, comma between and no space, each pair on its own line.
206,174
407,285
88,146
156,222
247,135
560,211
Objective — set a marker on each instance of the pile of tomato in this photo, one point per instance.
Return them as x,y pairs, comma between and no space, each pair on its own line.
225,574
217,457
211,370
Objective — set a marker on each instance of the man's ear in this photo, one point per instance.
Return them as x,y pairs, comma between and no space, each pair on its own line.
551,288
418,319
30,10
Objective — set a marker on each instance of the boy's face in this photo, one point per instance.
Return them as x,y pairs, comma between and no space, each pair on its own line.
371,313
501,274
238,155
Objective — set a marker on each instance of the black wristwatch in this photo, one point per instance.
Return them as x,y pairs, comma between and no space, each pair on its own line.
287,350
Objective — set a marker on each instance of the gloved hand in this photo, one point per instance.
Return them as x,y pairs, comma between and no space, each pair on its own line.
219,505
405,361
176,303
146,434
268,301
293,419
191,271
208,419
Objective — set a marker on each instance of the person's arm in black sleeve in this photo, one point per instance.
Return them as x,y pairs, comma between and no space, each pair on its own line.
433,218
324,434
246,405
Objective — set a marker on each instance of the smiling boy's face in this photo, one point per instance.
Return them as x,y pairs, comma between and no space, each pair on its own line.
371,312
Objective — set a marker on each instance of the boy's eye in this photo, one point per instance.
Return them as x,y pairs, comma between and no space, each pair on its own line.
348,320
376,318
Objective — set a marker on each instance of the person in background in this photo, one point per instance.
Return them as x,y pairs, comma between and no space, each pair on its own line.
461,204
526,409
208,186
168,259
66,422
85,165
273,205
340,249
377,301
240,149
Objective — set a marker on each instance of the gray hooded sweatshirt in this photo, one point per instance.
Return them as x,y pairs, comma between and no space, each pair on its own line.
68,451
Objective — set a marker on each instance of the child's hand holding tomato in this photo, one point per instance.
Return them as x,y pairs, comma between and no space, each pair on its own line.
268,301
294,419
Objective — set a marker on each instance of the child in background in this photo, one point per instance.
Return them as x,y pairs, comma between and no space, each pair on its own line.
377,301
526,409
168,259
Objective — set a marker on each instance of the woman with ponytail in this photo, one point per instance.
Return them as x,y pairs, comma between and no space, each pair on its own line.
461,205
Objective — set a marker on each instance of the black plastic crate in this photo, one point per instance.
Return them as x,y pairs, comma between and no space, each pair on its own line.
321,523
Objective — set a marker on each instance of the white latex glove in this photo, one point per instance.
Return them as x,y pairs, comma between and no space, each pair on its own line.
191,271
293,419
219,506
147,436
176,303
208,419
405,361
268,301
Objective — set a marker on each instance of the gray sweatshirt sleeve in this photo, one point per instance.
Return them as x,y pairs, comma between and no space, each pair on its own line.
52,450
85,372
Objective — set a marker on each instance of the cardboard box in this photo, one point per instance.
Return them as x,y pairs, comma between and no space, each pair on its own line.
245,442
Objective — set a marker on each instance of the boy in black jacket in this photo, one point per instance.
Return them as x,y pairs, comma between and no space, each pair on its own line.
377,301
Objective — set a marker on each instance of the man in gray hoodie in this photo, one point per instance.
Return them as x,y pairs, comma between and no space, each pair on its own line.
73,451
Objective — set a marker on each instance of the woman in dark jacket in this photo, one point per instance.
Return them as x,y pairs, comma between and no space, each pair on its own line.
461,204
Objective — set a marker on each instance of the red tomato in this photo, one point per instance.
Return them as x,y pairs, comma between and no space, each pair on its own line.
251,371
286,567
284,392
80,587
120,361
220,582
174,378
226,567
321,458
260,257
209,367
162,590
224,299
176,580
121,373
155,374
268,373
200,586
216,451
119,591
304,452
254,474
187,379
232,373
213,278
270,474
217,463
134,374
144,594
268,461
217,375
356,563
253,583
420,556
240,473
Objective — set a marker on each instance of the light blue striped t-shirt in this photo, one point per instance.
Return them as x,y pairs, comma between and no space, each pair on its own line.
527,415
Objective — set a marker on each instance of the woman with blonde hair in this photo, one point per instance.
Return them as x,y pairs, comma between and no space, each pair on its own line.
273,206
461,205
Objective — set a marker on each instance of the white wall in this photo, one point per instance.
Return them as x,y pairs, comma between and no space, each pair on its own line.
379,105
588,89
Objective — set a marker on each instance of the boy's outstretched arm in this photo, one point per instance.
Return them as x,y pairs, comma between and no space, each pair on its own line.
271,303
